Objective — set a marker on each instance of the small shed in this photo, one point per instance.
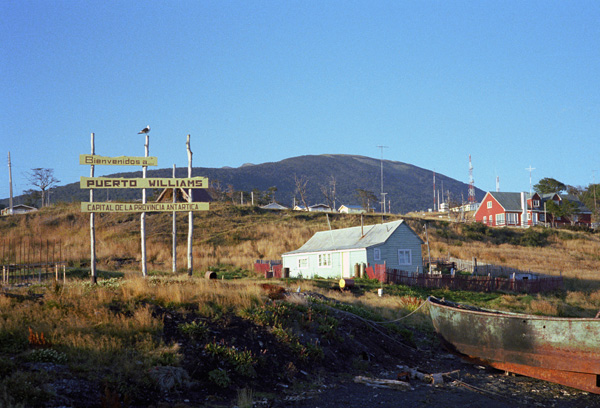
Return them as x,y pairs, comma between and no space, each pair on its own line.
334,253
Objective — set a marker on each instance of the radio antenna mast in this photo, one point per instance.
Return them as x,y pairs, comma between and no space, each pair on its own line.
471,198
382,193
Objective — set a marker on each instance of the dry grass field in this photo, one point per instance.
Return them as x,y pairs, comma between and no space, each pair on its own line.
234,235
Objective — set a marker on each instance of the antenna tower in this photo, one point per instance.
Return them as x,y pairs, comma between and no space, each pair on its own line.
530,169
471,198
497,183
382,193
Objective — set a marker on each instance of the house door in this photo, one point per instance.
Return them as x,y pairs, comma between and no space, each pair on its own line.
346,265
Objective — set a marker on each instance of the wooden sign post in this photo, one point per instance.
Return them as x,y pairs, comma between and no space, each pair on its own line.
143,216
92,226
190,256
119,183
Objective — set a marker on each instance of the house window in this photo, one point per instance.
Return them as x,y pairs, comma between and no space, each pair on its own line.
324,260
377,254
536,203
500,219
302,263
489,204
512,218
484,219
404,257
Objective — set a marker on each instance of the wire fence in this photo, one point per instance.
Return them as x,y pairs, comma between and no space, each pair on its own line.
31,259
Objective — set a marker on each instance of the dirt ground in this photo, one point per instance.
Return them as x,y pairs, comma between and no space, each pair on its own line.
471,386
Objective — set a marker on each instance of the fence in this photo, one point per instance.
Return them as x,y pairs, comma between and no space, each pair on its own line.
270,269
478,268
461,282
33,259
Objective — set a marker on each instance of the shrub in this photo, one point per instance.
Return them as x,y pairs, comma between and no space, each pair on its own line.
47,356
219,377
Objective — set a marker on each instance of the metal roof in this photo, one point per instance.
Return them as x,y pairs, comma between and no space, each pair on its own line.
348,238
509,201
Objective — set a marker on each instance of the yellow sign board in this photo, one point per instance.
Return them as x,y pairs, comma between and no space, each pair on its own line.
139,207
108,182
93,159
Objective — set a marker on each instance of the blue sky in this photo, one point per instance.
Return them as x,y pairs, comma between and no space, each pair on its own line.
513,83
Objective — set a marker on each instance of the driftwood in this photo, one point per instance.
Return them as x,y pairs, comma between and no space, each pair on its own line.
436,378
382,383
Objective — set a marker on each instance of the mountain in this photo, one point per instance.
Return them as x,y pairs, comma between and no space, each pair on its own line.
408,188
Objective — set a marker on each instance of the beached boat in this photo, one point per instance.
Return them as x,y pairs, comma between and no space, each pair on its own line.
561,350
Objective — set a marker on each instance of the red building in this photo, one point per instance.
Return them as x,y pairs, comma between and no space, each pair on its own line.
522,209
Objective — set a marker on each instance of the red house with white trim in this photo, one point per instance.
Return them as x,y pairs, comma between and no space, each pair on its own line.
499,209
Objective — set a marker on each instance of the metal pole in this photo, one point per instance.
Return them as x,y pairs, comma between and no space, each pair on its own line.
143,216
10,202
92,226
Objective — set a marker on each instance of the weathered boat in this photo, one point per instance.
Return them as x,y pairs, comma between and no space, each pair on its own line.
561,350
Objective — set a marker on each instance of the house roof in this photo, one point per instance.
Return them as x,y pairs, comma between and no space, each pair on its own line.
349,238
354,207
319,206
198,195
274,206
509,201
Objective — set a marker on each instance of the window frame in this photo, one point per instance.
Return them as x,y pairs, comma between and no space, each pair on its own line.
405,252
377,254
325,260
305,259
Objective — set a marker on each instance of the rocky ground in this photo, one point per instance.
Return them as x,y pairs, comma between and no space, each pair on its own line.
283,378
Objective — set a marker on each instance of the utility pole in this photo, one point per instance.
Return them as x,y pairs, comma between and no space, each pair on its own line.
10,202
382,193
593,178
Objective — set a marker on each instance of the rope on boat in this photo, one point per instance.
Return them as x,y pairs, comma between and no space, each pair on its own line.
403,317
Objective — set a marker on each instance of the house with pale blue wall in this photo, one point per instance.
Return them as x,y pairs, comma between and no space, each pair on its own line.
334,253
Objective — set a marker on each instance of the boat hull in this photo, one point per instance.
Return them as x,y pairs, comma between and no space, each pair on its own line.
560,350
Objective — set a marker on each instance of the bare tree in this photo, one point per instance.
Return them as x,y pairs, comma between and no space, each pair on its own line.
328,191
366,197
301,189
43,179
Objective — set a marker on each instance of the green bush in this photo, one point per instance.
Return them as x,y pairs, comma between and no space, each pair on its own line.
220,377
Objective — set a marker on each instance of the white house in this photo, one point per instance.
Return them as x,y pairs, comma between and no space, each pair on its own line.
319,208
351,209
334,253
18,209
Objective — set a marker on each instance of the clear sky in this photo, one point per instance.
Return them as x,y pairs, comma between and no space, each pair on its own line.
513,83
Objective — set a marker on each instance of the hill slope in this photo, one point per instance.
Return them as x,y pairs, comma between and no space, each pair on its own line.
408,188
